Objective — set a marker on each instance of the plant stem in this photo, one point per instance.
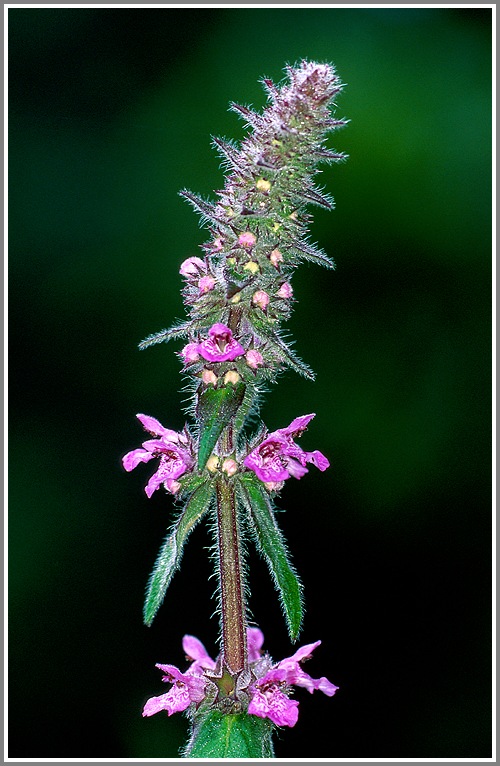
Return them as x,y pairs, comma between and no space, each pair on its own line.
234,649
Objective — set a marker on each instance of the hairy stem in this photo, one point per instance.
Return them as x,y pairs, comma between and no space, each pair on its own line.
234,647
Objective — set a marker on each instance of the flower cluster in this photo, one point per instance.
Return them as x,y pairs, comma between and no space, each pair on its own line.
274,459
266,694
174,450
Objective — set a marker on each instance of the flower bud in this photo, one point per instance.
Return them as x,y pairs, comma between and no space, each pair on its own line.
189,353
217,244
254,358
275,258
285,290
247,239
209,377
260,299
230,466
206,284
252,267
263,185
231,377
212,463
192,267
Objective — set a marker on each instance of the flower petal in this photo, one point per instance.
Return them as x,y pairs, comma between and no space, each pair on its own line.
155,427
255,640
195,651
132,459
276,706
318,459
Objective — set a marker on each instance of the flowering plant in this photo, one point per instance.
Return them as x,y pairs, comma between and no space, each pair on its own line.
236,297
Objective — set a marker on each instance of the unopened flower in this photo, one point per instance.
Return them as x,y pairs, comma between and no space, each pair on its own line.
189,353
261,299
209,377
252,267
263,185
269,693
205,284
173,449
232,377
285,290
220,346
275,258
254,358
212,463
192,267
217,245
277,457
247,239
230,466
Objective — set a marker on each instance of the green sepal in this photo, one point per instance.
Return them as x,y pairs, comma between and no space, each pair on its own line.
216,407
229,735
171,551
272,546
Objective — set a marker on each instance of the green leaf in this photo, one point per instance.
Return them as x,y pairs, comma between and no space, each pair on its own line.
171,551
216,407
178,331
284,353
220,735
271,544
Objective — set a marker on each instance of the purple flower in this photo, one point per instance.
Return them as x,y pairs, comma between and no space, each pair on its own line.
277,457
269,693
268,696
186,687
220,346
172,448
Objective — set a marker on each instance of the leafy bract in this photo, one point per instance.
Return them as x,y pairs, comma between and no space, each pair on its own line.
171,551
272,546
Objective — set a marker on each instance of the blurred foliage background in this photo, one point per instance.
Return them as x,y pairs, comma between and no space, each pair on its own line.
111,113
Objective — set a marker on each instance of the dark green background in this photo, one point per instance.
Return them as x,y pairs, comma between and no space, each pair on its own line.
111,112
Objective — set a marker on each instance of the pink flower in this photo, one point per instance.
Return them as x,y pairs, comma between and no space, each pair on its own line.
247,239
220,346
269,693
277,457
254,358
192,267
285,290
186,687
173,449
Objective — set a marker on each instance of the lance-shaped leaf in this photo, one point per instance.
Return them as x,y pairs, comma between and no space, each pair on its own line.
271,544
222,735
307,252
171,551
283,352
206,209
178,331
216,407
